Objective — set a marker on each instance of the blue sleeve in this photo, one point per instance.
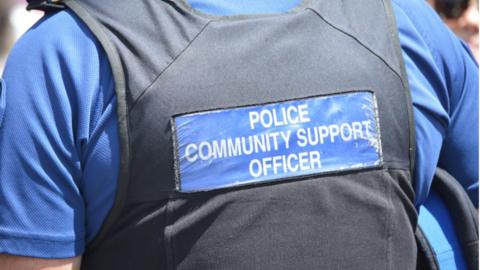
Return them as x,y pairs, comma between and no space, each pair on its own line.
58,141
443,78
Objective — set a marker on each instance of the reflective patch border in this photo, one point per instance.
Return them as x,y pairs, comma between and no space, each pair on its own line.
214,172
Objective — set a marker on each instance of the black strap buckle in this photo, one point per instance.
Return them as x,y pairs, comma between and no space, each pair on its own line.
45,5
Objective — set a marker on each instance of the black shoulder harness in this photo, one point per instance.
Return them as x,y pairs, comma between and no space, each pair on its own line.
45,5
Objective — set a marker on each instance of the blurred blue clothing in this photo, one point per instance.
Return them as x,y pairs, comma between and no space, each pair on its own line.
438,227
59,146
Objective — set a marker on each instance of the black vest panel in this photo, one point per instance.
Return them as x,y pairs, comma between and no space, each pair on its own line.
168,59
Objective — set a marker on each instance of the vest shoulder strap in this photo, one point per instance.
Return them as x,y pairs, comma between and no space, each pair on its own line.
45,5
465,220
426,258
463,212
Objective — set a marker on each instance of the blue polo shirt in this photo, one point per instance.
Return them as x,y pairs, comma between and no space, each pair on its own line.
59,145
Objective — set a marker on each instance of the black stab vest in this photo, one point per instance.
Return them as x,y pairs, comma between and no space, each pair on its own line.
168,59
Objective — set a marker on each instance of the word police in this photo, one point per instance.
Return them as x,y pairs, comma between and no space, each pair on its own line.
289,115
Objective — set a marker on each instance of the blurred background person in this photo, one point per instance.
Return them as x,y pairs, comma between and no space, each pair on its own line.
14,21
462,17
6,35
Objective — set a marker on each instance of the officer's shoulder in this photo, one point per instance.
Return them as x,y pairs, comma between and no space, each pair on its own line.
415,9
420,17
426,33
56,34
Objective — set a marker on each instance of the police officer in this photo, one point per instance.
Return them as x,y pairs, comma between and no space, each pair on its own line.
96,126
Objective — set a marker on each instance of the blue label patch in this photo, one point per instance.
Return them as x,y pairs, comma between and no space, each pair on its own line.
271,142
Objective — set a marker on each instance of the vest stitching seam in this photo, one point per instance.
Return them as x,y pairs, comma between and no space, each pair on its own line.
389,224
385,219
338,28
169,246
403,72
148,88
